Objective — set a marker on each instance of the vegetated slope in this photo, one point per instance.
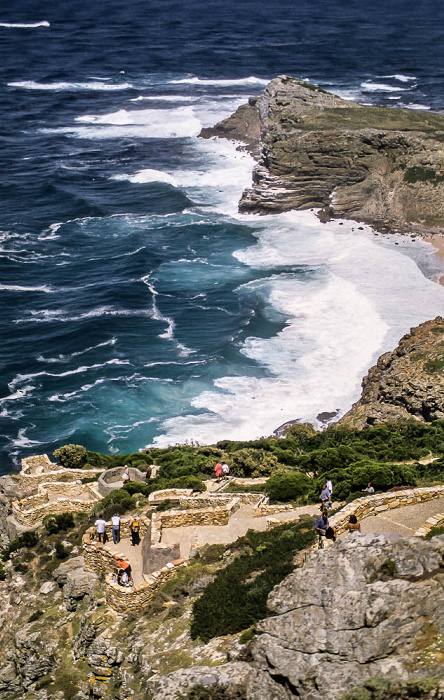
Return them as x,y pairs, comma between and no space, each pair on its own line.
374,164
406,383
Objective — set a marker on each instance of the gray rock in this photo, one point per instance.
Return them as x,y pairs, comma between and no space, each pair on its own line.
61,573
47,587
230,677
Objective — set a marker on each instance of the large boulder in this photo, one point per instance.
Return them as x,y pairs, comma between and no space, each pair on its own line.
366,607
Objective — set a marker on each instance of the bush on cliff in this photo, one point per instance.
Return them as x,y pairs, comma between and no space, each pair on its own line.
118,501
250,462
71,456
57,523
287,486
237,598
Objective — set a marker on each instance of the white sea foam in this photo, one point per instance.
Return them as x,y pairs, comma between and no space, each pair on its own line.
164,98
177,122
52,316
369,86
148,175
156,314
357,298
19,394
19,288
223,83
24,25
402,78
414,105
22,441
65,358
22,378
94,85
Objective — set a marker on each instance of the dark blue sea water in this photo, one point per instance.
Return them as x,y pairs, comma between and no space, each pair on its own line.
137,306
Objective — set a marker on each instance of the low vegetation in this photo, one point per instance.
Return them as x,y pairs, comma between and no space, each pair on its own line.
237,598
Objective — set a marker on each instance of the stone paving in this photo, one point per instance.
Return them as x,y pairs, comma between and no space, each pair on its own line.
399,521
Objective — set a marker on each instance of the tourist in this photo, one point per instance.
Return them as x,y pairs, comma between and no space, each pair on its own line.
218,471
353,525
124,575
225,470
329,485
134,528
148,473
100,525
325,498
369,488
323,528
125,475
115,523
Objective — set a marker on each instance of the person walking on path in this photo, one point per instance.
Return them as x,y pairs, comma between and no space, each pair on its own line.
325,497
115,522
225,470
126,475
100,525
135,535
329,485
218,471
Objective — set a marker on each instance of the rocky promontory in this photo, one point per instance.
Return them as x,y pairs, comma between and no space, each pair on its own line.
372,164
406,383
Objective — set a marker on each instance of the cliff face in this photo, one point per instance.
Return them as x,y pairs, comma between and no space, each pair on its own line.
368,607
406,383
378,165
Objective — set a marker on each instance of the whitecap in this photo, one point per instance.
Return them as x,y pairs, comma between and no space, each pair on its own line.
19,394
402,78
369,86
62,85
22,441
148,175
24,25
66,358
252,80
414,105
18,288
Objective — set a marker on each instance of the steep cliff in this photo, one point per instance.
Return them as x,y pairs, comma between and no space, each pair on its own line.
406,383
369,607
374,164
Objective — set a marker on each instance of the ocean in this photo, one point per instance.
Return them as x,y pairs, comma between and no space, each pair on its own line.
137,306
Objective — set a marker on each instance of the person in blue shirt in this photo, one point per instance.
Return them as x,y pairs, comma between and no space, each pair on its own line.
325,497
322,526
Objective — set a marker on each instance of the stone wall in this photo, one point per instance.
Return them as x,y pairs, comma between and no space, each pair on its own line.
132,599
201,516
169,495
70,498
39,469
373,505
156,555
435,521
111,479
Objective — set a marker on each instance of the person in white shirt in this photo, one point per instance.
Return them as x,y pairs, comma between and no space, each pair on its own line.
100,525
329,485
115,522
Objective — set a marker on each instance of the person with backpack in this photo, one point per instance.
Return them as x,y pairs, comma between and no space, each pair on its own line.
115,522
135,535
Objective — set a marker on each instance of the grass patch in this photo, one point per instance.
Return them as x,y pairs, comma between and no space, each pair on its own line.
378,688
435,532
237,598
419,174
432,366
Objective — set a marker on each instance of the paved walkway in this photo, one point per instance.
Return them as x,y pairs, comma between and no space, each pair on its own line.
241,521
402,521
398,521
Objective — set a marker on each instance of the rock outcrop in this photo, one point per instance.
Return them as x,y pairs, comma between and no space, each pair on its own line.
406,383
367,607
378,165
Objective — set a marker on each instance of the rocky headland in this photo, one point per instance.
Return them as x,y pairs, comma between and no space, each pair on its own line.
407,383
377,165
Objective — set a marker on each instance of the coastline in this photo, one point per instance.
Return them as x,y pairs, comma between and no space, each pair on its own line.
437,241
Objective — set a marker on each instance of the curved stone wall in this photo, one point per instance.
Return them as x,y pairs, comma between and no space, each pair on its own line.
111,479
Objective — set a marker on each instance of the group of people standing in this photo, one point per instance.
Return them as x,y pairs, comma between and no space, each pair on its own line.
101,524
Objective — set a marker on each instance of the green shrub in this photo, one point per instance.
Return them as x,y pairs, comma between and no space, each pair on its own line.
71,456
27,539
2,572
435,532
250,462
60,550
35,616
286,486
166,505
118,501
237,597
57,523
